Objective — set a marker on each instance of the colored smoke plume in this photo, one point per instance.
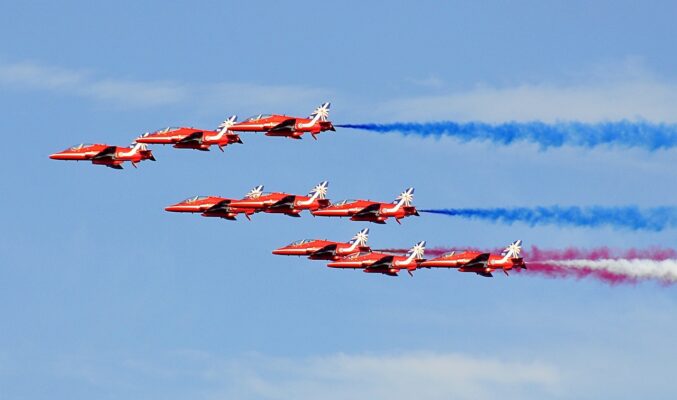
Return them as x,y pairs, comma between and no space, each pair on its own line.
649,136
613,267
629,217
603,264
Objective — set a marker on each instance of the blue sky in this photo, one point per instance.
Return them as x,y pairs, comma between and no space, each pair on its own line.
105,295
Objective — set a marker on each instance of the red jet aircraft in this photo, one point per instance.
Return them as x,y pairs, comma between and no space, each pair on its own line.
284,203
103,154
213,206
284,125
192,138
482,264
382,263
316,249
371,211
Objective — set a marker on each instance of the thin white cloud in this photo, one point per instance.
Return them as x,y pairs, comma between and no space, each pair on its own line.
84,84
404,376
349,376
648,100
607,92
132,93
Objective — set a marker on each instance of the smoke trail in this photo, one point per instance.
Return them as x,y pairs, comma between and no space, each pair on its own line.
630,217
603,264
645,135
609,266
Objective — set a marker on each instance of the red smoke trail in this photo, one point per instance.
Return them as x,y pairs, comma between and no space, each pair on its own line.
537,262
544,262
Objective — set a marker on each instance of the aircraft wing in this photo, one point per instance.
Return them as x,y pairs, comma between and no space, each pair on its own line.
193,137
220,207
479,261
286,202
369,211
288,125
106,154
383,262
328,250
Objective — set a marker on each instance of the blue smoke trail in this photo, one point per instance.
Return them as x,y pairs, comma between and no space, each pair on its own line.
631,217
623,133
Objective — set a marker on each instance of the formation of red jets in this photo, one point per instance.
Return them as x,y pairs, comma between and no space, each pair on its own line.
256,200
354,254
200,139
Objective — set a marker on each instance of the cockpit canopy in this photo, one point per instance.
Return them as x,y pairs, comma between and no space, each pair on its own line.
257,117
194,199
299,242
168,129
360,254
79,146
343,202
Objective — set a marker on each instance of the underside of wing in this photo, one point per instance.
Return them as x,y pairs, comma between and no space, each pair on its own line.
106,154
478,262
222,206
195,137
370,211
288,125
327,251
384,262
284,203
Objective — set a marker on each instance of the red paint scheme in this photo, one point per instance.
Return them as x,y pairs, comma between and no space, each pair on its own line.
284,203
371,211
383,263
103,154
286,126
480,263
317,249
193,138
208,206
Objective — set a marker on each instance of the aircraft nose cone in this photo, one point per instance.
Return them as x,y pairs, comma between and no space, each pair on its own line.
55,156
278,251
172,208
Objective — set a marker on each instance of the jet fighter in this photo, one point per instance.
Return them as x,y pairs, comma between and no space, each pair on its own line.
103,154
383,263
482,264
213,206
286,126
371,211
193,138
284,203
316,249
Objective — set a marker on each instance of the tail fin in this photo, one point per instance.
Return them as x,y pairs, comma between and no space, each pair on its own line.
138,147
321,113
405,198
319,191
416,252
256,192
512,251
360,239
225,125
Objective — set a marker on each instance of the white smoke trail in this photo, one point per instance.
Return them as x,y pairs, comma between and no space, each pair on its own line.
665,270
